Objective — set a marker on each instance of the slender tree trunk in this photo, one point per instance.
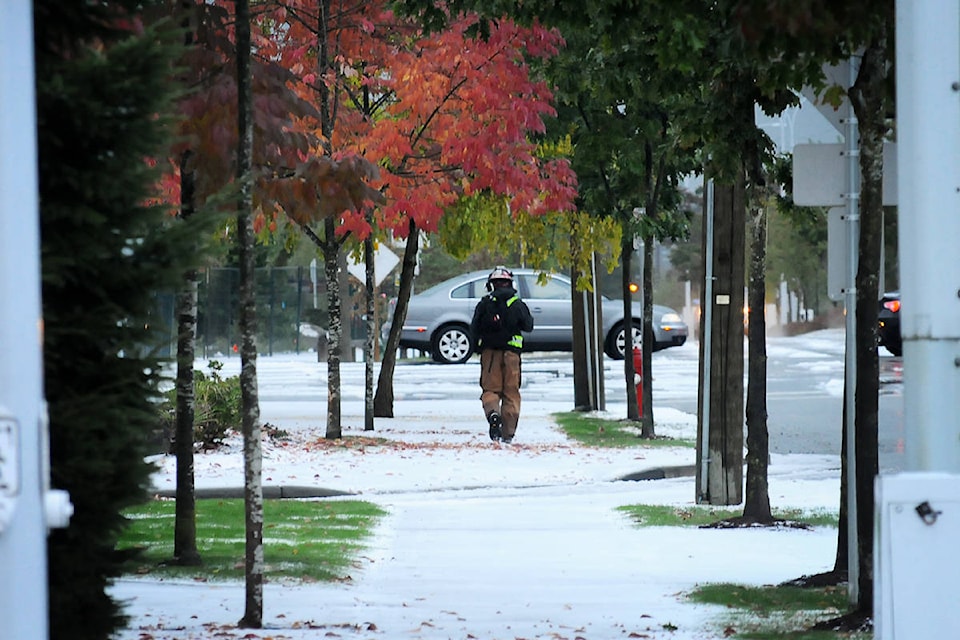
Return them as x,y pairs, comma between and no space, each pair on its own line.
329,245
654,176
868,97
626,254
646,390
842,559
368,347
331,264
757,501
583,399
252,452
185,520
383,401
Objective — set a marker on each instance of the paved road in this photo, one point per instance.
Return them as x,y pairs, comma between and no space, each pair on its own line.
804,392
805,400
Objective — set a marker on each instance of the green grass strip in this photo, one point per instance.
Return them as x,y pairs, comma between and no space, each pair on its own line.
305,540
777,612
649,515
599,432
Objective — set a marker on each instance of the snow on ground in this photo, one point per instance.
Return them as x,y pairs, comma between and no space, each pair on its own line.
489,541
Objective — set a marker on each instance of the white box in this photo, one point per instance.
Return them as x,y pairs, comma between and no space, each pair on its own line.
916,556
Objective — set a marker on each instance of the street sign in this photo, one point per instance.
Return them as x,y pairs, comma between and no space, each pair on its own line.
384,261
820,175
835,75
837,263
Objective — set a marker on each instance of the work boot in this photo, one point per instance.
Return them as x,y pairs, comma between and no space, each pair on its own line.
496,422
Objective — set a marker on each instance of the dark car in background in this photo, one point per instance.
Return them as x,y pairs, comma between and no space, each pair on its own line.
438,319
889,323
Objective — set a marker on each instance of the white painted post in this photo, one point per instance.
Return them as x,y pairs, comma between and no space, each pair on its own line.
928,123
918,511
23,561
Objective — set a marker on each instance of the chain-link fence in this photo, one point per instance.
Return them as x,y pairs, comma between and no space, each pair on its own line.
291,311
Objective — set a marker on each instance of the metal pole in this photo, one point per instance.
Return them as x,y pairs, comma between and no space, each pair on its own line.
707,309
23,534
296,339
597,338
850,305
928,122
590,341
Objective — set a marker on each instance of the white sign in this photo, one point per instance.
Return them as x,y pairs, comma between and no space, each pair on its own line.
820,175
384,261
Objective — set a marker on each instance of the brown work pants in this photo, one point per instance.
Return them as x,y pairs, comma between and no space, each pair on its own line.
500,381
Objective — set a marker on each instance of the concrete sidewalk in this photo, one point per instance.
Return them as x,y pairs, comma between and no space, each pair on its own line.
500,561
485,541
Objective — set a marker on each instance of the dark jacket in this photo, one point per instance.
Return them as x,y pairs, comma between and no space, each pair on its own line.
512,316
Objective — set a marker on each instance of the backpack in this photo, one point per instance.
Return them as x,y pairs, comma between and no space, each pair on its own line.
493,316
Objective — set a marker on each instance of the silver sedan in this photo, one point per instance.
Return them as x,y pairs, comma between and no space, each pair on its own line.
438,319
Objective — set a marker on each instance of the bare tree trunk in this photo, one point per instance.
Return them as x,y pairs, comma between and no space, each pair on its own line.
329,245
842,559
654,177
368,347
646,389
252,452
331,263
185,520
583,399
868,99
383,401
626,253
757,501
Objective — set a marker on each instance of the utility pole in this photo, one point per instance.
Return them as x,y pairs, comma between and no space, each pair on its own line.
720,411
588,394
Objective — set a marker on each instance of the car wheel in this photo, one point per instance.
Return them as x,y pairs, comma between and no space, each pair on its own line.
615,340
451,345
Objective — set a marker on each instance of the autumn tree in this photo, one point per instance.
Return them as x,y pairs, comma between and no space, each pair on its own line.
199,181
444,116
317,42
478,106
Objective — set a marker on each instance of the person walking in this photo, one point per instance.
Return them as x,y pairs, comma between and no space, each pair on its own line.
498,320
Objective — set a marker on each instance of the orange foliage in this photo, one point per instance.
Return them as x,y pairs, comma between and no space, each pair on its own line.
443,116
440,116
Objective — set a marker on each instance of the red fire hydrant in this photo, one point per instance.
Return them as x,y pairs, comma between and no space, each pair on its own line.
638,377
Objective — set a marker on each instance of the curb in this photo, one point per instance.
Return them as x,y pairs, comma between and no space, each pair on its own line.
270,492
661,473
273,492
